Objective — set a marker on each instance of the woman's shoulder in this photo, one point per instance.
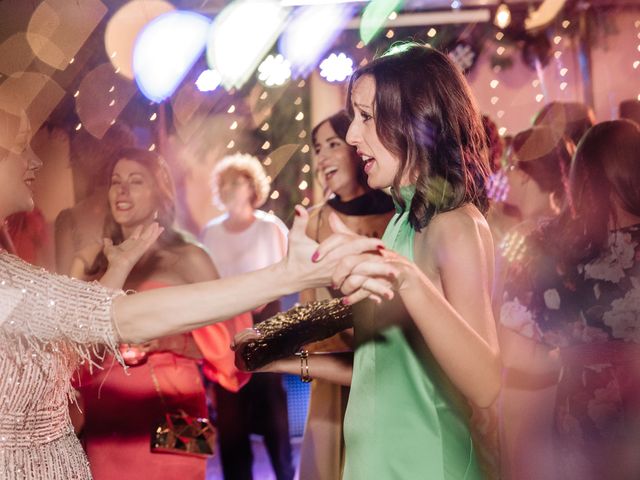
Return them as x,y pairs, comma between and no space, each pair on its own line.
461,221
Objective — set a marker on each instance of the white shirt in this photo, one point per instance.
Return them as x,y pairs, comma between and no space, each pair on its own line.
262,244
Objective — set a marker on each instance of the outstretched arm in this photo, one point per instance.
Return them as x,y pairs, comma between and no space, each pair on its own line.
167,311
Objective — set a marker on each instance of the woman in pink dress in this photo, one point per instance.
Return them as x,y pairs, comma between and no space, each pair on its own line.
123,408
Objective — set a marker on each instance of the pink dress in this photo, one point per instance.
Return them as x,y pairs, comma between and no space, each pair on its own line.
122,408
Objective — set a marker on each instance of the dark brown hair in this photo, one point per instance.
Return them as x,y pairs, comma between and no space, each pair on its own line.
340,123
165,196
605,169
571,118
545,155
425,116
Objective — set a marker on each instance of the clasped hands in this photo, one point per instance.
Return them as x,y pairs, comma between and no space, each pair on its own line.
374,274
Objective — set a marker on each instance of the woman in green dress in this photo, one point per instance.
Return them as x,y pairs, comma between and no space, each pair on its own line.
426,346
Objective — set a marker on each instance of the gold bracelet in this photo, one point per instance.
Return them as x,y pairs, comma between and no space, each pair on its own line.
304,366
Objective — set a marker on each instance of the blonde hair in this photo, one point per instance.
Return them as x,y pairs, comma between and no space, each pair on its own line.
248,166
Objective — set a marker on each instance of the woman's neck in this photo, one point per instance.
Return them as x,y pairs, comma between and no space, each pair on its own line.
349,193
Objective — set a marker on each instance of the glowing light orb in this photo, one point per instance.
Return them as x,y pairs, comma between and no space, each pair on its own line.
166,50
123,28
374,17
336,68
274,71
311,33
208,81
241,36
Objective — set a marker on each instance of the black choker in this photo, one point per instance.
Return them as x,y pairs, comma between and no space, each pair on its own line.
375,202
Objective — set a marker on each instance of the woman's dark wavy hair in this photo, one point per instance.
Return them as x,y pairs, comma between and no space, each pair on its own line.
605,169
165,196
545,155
426,116
340,122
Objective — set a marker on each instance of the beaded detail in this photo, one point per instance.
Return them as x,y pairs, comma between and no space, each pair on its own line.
49,325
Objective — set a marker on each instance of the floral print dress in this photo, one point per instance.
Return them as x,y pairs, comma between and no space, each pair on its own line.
592,316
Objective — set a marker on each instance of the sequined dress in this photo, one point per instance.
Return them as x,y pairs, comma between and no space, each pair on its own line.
49,324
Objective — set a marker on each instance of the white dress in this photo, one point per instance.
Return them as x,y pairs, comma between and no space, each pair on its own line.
49,325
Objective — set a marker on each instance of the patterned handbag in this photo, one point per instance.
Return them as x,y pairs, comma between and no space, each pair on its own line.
185,435
181,433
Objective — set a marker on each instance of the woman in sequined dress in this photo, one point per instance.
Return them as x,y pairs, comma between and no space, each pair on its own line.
49,323
574,298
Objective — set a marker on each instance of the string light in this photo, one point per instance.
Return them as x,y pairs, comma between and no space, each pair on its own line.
306,168
231,109
302,134
267,161
78,126
502,131
298,101
305,149
563,71
305,201
500,50
73,59
494,100
301,83
565,24
557,39
360,45
275,195
539,97
494,83
299,116
264,127
390,34
231,144
266,145
499,36
393,15
432,32
153,116
152,147
75,95
112,103
503,16
563,85
557,54
264,95
303,185
234,125
113,87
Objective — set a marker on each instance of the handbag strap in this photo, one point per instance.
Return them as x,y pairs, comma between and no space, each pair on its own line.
156,384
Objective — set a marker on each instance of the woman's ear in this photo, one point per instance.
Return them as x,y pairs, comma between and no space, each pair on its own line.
555,202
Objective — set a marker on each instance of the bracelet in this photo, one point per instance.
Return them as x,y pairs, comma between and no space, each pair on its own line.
304,366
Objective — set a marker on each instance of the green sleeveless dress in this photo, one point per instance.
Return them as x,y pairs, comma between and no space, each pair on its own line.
404,419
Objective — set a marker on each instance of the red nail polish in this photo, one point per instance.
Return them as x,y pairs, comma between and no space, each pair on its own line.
345,301
296,212
380,247
315,256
